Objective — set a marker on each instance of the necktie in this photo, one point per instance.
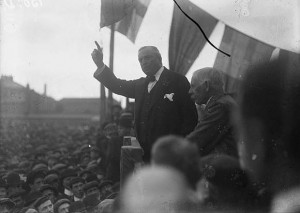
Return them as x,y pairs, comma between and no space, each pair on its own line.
150,81
150,78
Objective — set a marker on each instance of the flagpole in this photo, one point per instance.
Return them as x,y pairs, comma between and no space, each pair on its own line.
102,104
111,66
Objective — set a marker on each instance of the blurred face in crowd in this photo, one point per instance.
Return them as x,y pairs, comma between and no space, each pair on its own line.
50,194
18,201
64,208
46,207
85,161
37,183
92,191
199,91
106,190
54,183
150,60
77,189
110,132
51,162
66,181
3,192
124,131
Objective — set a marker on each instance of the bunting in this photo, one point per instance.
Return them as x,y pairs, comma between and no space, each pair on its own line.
245,52
186,40
127,15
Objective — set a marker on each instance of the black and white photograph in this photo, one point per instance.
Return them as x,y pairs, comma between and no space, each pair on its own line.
149,106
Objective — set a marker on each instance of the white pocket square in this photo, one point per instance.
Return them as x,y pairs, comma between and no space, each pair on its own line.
169,96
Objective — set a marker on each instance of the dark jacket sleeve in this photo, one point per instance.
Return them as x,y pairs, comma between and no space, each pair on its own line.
211,128
188,108
118,86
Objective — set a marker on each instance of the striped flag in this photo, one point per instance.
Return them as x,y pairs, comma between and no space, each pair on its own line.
245,52
186,40
126,14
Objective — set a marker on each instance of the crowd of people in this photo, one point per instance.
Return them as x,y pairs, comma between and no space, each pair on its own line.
237,154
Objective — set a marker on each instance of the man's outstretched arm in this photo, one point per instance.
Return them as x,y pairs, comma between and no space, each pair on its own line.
108,79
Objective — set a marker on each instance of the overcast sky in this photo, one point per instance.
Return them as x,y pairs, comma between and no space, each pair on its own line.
50,42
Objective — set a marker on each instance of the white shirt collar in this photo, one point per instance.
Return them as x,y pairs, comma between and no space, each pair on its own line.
158,73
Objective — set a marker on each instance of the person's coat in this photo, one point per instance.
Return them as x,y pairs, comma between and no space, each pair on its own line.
171,110
215,132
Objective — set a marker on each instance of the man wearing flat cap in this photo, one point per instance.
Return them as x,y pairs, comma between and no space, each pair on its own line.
14,183
49,191
43,205
91,188
35,180
65,177
18,198
6,205
62,206
76,187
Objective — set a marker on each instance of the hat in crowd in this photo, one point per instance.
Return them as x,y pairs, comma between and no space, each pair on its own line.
13,179
49,179
108,126
85,172
68,173
77,206
106,206
95,149
59,166
35,174
7,202
85,148
24,165
39,166
126,120
92,165
91,201
47,186
223,171
25,210
59,202
91,177
32,197
90,185
40,201
76,180
105,183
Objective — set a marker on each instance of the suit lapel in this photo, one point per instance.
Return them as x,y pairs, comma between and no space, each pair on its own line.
160,87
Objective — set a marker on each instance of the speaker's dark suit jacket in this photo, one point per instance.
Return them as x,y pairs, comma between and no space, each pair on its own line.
176,115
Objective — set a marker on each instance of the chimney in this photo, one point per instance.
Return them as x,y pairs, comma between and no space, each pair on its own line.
45,89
